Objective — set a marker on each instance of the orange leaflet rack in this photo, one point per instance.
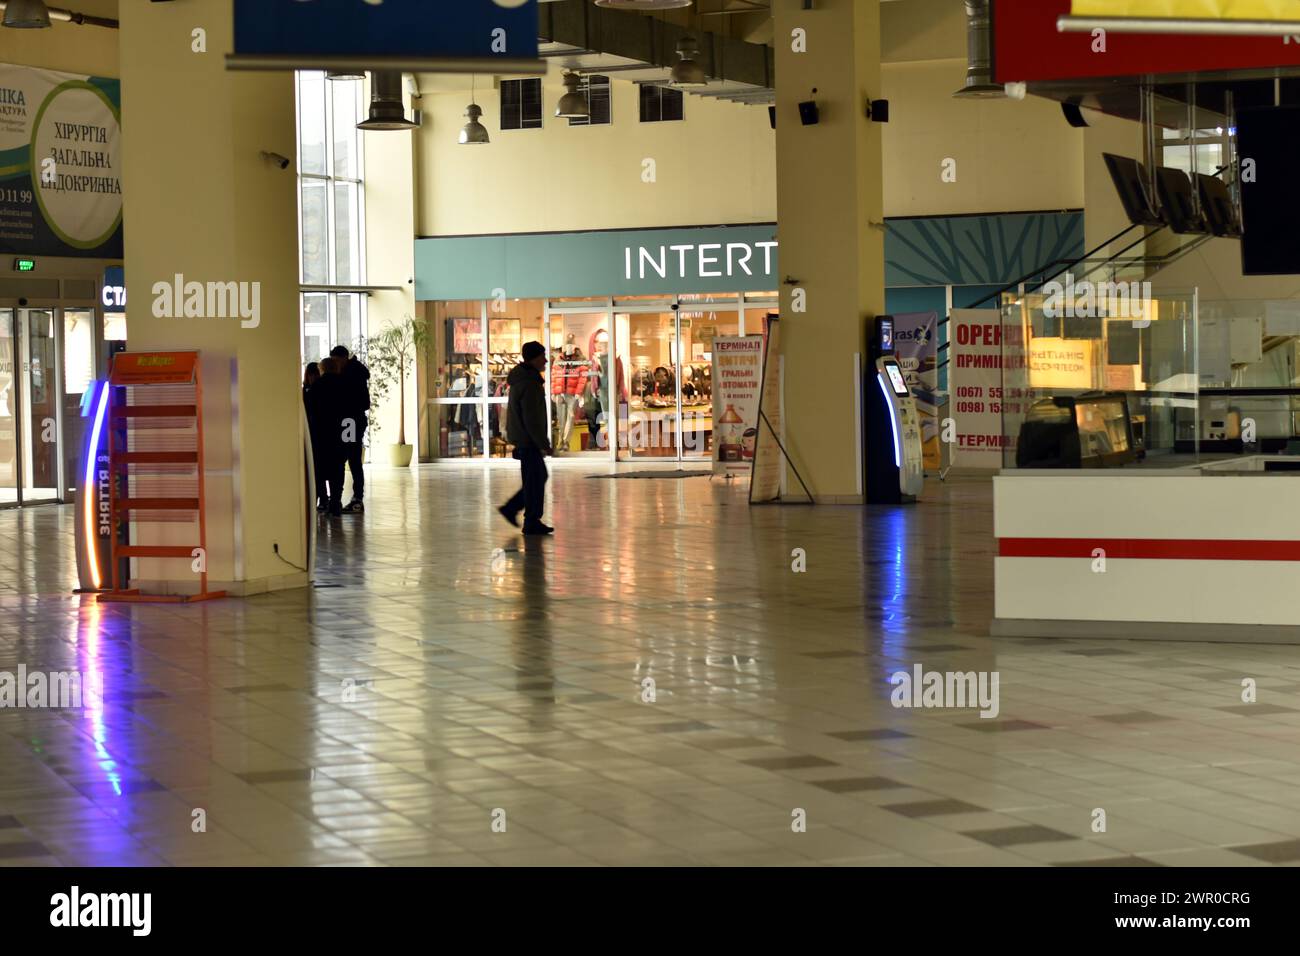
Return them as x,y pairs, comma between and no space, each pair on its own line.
155,450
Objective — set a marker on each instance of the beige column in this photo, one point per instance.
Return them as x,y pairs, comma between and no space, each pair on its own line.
829,213
201,202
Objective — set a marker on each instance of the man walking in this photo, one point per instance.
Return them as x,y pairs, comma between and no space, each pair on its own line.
529,431
356,378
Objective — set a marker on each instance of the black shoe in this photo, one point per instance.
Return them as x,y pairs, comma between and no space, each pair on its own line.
512,517
335,511
355,507
322,507
538,528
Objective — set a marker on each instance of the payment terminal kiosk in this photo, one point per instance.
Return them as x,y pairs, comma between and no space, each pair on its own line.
894,465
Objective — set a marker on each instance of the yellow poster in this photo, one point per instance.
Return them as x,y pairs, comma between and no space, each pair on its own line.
1191,9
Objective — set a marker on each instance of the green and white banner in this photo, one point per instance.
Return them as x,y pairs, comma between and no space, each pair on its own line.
60,169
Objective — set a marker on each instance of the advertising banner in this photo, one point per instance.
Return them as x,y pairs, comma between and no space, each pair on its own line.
1190,9
397,34
765,485
975,385
60,170
737,380
1028,47
917,351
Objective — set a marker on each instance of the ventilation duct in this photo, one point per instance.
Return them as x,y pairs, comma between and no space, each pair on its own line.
979,54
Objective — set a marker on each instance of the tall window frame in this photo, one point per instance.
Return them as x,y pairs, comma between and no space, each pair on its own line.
332,267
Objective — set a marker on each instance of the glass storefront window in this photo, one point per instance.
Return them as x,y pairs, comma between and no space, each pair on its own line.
78,374
8,408
644,366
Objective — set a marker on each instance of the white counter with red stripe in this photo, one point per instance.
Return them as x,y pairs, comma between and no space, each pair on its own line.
1194,554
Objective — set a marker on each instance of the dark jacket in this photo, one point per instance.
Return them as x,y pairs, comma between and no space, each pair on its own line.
327,407
526,424
357,379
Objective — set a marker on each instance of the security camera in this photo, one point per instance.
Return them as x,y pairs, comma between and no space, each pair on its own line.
281,161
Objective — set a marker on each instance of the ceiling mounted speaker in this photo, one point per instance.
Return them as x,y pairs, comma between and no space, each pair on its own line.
643,4
1074,115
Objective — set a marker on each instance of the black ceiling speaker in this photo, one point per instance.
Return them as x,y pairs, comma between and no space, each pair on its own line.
1074,115
878,111
771,116
809,114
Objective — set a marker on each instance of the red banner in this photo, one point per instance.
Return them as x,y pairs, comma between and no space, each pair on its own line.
1028,48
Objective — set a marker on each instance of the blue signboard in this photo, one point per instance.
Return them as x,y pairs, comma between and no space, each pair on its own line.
395,34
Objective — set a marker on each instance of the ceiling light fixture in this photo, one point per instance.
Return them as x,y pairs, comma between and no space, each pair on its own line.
573,104
387,111
473,133
26,14
688,73
345,74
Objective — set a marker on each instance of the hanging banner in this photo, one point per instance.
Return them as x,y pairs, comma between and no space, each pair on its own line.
1190,9
467,36
975,387
1028,47
765,483
916,348
737,384
60,170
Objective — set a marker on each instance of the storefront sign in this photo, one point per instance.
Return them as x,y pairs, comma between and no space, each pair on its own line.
113,295
633,262
1189,9
975,386
1062,363
1028,47
405,34
737,380
916,348
60,170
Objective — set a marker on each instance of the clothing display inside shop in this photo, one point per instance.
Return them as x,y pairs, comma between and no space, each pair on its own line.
570,375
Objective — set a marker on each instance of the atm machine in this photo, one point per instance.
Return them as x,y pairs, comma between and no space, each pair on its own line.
894,467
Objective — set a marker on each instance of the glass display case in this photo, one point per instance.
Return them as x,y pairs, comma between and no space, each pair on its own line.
1099,374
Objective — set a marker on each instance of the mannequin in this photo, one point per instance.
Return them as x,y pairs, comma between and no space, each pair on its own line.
568,386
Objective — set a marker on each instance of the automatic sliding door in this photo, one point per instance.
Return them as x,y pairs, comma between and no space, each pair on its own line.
40,405
9,394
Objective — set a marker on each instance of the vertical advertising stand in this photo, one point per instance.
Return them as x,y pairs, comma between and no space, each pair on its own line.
155,466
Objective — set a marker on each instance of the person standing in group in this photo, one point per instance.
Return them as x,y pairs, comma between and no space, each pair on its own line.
528,429
357,379
327,404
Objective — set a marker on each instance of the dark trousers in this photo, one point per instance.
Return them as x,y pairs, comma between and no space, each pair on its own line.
329,488
355,450
531,498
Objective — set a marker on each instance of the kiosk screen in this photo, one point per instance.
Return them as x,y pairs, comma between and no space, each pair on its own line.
896,379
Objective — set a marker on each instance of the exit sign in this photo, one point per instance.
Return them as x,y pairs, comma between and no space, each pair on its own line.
24,265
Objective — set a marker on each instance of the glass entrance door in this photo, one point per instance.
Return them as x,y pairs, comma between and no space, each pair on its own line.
40,404
9,389
583,382
33,408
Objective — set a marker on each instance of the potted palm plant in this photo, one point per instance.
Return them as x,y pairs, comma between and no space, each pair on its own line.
391,355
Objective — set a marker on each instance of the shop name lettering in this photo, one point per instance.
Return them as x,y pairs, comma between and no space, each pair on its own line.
69,158
707,258
12,102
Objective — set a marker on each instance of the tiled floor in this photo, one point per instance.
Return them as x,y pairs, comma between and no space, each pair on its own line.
445,675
